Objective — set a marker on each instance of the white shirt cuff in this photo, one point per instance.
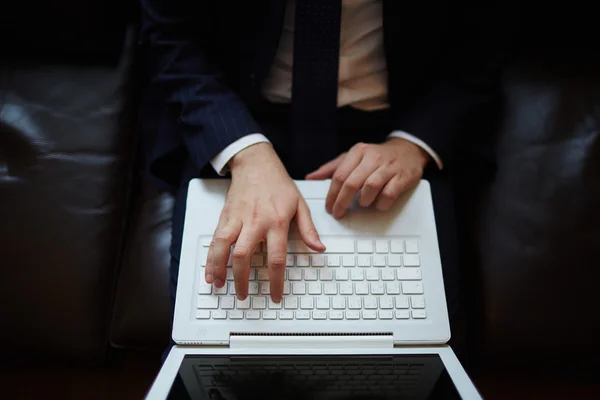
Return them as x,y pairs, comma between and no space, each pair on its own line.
421,144
219,162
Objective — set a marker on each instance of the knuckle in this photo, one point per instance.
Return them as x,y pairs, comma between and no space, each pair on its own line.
388,194
221,235
360,146
280,222
351,185
372,184
277,261
339,178
241,252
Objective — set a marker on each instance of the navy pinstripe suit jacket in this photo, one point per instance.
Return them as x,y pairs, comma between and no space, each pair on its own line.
206,59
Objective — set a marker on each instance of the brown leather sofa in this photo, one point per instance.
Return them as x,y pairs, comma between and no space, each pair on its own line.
84,238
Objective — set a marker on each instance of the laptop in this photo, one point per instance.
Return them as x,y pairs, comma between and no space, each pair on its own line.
367,318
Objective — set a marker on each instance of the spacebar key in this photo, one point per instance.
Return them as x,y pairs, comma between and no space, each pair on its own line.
332,245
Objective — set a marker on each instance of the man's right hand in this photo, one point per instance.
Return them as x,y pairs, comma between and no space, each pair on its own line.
261,203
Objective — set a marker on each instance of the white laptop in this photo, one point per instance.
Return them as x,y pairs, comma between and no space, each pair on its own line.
367,317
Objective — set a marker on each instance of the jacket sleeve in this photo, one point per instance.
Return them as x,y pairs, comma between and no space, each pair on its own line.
477,48
192,101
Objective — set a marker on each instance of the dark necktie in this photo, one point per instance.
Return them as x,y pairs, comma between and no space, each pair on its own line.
315,83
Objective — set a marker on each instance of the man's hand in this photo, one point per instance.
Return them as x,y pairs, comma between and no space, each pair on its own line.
261,203
380,171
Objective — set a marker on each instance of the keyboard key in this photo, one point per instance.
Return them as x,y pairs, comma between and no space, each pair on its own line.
302,314
208,302
331,288
419,314
378,260
219,314
370,303
395,260
417,302
307,303
202,314
387,275
348,260
338,245
386,314
230,274
286,315
412,287
381,246
302,260
363,260
364,246
357,274
259,303
326,274
339,303
299,288
252,315
386,302
361,288
396,246
269,314
294,274
402,314
369,314
323,303
263,274
290,303
227,302
265,288
319,314
345,288
235,314
221,290
290,260
409,274
333,260
377,288
204,288
257,260
392,288
401,301
336,315
253,288
411,246
311,274
317,260
351,314
411,260
354,303
342,275
314,288
243,304
273,305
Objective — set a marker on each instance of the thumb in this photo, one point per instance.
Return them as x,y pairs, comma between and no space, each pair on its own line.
307,228
326,171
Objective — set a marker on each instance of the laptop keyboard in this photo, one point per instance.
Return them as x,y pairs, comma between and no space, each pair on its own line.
362,279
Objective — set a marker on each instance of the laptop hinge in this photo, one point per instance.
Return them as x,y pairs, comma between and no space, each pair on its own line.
311,341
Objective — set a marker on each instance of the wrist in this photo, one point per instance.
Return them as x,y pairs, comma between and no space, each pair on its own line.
417,150
259,152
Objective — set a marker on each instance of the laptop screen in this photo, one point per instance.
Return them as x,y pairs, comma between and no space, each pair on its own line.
313,377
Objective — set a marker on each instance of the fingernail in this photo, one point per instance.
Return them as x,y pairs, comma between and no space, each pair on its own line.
219,283
241,297
208,278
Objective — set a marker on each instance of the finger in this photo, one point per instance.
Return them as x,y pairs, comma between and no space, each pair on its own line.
218,254
374,184
307,228
352,185
276,257
348,164
326,171
393,189
244,248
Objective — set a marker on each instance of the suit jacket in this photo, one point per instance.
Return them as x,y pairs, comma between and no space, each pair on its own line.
206,61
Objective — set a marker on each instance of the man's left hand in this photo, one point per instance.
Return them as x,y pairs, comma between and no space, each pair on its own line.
381,172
